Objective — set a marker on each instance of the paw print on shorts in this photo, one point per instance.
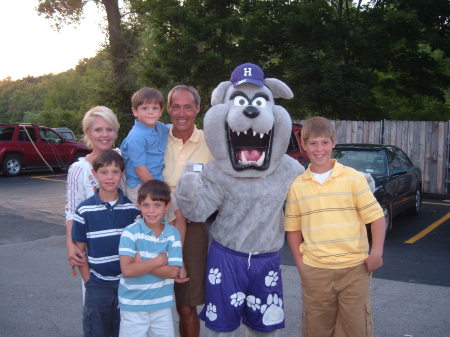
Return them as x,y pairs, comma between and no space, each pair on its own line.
237,299
272,311
271,279
215,276
211,312
253,302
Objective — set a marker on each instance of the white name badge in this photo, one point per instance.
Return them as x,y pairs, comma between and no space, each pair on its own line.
197,168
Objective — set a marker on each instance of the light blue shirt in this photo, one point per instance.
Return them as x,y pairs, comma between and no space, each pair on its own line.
144,146
148,292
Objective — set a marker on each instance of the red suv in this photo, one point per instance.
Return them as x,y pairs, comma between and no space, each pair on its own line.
27,146
295,149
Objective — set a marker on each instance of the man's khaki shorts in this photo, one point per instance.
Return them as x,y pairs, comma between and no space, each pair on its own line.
195,249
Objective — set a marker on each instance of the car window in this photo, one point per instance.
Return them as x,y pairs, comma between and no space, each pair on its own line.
395,163
49,135
367,161
67,135
6,133
24,136
406,163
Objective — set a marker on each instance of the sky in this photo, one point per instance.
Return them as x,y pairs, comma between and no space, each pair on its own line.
30,46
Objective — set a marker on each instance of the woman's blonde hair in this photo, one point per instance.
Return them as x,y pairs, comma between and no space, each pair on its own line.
98,111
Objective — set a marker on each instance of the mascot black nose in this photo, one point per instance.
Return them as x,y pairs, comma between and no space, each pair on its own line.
251,112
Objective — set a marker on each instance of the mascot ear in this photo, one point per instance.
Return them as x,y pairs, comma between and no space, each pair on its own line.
218,94
279,89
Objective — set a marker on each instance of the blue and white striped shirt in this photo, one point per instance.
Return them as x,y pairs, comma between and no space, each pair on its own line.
100,225
148,292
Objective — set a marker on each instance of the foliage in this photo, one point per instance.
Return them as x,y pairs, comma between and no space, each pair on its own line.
62,12
330,52
188,42
386,59
18,97
121,38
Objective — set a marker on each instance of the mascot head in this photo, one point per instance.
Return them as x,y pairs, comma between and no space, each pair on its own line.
245,130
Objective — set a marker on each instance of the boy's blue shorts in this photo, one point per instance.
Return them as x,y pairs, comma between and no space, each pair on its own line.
240,285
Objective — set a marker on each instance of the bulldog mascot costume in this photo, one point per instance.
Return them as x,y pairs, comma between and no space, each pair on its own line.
247,183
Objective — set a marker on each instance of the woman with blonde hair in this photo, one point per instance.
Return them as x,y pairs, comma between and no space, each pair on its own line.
100,128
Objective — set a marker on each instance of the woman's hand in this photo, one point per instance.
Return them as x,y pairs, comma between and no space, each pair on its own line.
75,256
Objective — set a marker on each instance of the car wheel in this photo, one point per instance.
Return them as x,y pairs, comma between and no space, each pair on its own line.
415,209
387,217
12,165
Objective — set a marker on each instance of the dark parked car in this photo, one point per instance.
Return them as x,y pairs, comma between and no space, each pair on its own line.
398,182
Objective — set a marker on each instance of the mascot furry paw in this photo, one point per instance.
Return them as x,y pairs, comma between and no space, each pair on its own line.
246,183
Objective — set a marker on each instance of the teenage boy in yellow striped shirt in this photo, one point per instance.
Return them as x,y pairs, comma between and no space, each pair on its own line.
327,209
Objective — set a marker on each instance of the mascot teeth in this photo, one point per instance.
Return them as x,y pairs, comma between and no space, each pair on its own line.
254,153
249,149
261,159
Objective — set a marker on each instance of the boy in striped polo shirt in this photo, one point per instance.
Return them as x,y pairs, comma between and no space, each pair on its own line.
98,224
327,209
146,292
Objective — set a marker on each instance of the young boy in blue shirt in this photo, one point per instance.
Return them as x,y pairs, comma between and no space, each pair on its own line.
145,292
144,147
98,224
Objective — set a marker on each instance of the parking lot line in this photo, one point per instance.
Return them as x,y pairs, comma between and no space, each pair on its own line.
46,178
429,229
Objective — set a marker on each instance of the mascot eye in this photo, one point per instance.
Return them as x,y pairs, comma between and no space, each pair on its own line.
259,102
240,101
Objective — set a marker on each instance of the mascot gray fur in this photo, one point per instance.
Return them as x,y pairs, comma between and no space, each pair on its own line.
246,183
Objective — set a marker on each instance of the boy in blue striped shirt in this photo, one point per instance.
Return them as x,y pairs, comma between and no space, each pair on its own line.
146,291
98,224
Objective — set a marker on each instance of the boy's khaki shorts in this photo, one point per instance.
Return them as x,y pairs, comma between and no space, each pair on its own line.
195,250
336,300
132,193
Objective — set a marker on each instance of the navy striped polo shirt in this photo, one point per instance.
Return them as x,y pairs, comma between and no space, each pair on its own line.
100,225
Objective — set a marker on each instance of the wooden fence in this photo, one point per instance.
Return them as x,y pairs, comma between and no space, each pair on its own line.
426,143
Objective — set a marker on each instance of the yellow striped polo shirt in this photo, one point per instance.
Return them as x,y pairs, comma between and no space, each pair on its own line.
332,217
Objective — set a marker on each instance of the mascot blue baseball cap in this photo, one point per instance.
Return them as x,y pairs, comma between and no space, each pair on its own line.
247,73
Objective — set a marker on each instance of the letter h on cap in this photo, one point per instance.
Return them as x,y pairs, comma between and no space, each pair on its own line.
247,71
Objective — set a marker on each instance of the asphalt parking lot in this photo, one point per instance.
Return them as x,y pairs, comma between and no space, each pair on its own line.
417,249
410,294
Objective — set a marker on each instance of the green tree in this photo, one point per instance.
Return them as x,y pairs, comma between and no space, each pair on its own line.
120,43
190,42
19,97
414,77
387,59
